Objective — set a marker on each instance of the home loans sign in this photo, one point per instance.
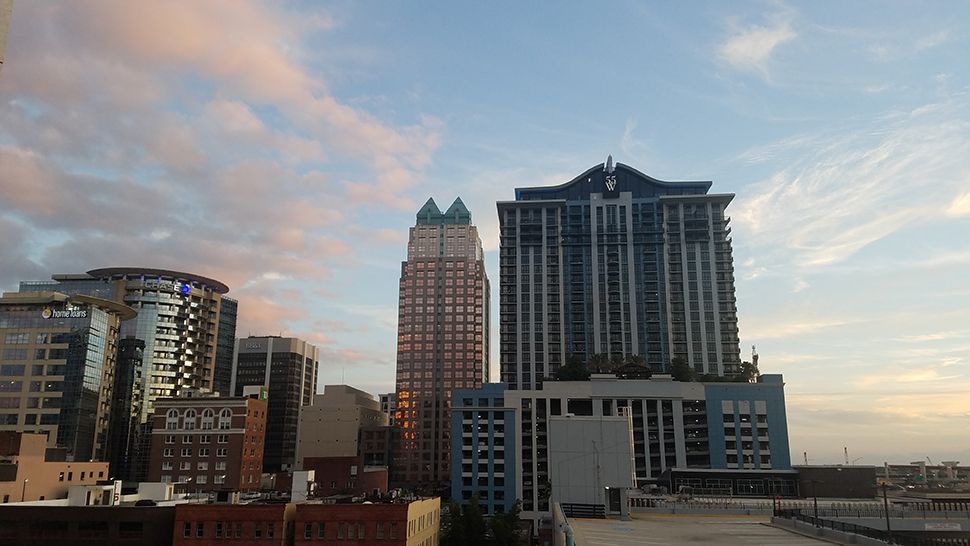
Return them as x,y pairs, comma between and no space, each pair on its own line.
67,312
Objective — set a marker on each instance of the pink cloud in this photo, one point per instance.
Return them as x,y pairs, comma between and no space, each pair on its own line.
192,136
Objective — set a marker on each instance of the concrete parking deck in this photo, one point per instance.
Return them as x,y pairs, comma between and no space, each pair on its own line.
658,530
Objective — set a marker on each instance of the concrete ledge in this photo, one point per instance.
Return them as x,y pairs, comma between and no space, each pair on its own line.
829,535
704,511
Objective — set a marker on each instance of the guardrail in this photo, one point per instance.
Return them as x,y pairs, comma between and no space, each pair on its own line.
583,510
878,534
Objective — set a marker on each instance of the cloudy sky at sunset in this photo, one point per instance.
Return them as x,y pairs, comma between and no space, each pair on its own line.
284,148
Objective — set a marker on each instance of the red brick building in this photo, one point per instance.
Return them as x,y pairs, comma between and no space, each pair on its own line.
308,524
237,524
382,524
210,443
346,475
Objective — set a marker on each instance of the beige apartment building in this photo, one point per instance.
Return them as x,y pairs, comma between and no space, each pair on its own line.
331,426
30,472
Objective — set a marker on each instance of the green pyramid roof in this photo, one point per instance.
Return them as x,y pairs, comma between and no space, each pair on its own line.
457,213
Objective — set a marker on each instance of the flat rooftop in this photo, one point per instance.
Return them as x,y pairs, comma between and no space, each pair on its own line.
664,529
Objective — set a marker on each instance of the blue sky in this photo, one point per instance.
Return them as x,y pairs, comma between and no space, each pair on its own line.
285,148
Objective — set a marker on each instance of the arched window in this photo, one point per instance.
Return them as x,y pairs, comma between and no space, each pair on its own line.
188,423
225,419
172,419
207,417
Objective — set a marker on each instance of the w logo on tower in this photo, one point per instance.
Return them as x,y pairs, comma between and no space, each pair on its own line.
608,168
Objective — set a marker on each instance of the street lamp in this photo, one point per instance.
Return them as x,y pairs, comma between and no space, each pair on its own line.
23,494
885,504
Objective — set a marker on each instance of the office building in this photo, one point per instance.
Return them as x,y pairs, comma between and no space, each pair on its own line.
6,6
288,368
225,347
331,441
209,442
389,406
674,425
58,360
29,471
178,321
442,337
615,263
331,427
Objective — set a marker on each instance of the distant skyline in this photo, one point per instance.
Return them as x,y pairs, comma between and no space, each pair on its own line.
284,150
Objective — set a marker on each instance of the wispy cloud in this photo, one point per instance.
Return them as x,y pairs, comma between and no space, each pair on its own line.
777,327
841,191
750,47
931,40
960,206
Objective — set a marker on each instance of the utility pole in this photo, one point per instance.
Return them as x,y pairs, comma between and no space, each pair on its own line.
885,504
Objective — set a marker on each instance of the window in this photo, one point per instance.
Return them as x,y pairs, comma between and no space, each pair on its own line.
170,439
202,465
207,418
393,533
167,452
187,529
258,531
189,421
186,451
223,439
321,530
225,419
341,530
220,465
166,465
221,452
218,529
307,530
172,419
380,529
199,530
203,452
360,530
270,529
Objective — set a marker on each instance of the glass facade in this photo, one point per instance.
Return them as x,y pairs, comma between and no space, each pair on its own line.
224,346
178,324
291,382
56,373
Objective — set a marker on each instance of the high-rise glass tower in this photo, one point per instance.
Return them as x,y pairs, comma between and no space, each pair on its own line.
58,358
442,337
615,263
170,348
288,368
